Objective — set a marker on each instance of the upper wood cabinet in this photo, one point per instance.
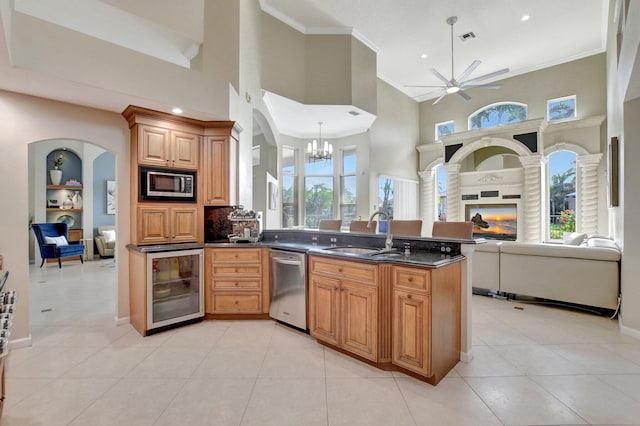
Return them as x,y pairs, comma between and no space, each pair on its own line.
167,148
165,140
216,171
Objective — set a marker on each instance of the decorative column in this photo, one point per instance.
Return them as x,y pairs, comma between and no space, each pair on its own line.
587,166
428,200
532,198
466,347
453,192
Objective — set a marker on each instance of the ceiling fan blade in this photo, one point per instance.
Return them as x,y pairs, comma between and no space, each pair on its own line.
418,85
464,95
490,75
440,98
480,86
469,70
440,76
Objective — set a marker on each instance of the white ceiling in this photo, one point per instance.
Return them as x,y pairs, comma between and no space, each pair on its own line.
400,31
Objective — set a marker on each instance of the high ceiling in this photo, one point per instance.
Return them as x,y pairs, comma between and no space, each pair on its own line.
402,31
399,31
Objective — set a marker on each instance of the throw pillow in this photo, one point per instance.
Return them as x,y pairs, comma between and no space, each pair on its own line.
573,238
58,241
602,242
109,236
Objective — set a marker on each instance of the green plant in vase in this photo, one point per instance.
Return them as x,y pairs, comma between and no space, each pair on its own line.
56,174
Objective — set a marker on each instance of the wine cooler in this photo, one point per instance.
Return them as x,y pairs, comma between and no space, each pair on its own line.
174,287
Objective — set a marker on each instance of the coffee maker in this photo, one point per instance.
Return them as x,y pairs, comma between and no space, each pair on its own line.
246,226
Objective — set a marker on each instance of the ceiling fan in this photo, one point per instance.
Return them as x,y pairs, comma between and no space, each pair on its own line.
458,85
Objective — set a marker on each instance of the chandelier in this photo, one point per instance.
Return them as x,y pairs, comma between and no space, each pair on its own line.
319,153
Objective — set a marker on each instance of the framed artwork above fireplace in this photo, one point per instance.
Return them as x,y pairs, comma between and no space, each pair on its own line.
493,221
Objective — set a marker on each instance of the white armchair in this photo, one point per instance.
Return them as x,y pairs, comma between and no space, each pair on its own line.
106,241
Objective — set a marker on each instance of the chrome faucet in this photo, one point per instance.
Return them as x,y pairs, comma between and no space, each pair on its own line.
388,244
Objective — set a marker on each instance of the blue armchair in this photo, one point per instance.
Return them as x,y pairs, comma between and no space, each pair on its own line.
50,250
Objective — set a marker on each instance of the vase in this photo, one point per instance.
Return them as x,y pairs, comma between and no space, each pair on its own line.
56,176
67,204
77,200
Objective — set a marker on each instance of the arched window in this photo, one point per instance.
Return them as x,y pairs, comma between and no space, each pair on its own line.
562,193
498,114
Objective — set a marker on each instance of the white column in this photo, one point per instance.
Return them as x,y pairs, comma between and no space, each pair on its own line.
533,208
587,166
428,200
453,192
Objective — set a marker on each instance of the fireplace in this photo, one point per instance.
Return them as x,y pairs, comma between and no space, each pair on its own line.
493,221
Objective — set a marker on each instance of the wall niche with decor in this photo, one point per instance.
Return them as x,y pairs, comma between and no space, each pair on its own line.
64,199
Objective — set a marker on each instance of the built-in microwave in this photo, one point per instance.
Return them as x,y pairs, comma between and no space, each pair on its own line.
167,185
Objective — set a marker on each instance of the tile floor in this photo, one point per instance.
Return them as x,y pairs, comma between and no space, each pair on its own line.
533,366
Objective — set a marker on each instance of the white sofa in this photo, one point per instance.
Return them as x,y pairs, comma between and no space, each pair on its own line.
106,241
586,274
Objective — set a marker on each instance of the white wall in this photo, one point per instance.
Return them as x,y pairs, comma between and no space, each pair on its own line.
29,119
623,110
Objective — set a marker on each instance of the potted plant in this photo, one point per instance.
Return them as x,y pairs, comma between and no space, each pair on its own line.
56,174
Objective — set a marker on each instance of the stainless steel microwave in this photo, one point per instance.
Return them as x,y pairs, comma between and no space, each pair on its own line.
167,185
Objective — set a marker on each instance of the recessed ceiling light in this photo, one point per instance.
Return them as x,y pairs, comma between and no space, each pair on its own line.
424,56
176,110
525,17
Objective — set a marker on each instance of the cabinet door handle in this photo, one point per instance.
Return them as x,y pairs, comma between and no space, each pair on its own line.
408,296
339,269
410,280
237,302
236,284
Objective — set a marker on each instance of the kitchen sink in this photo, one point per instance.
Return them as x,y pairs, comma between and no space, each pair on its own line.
354,250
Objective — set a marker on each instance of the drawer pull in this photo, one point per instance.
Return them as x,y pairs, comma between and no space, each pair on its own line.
237,302
408,296
339,269
236,284
410,279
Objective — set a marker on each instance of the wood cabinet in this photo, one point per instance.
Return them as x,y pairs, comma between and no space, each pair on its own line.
165,140
160,224
220,174
235,281
163,147
343,305
426,319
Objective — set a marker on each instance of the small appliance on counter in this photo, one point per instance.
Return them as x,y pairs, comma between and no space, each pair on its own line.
246,226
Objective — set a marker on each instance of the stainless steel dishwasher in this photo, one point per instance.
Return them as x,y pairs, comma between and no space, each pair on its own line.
288,287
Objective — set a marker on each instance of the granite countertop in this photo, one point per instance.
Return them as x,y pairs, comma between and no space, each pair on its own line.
424,258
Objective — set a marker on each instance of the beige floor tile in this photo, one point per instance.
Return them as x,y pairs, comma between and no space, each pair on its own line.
452,402
364,401
301,363
340,365
521,401
50,363
593,399
203,334
131,402
206,402
502,334
17,390
538,360
596,359
286,337
287,402
628,384
486,362
169,362
247,333
110,363
232,362
56,403
133,338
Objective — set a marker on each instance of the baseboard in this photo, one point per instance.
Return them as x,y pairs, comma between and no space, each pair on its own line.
123,320
466,356
25,342
628,331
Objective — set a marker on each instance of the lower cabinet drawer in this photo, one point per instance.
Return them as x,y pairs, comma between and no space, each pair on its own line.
235,303
230,284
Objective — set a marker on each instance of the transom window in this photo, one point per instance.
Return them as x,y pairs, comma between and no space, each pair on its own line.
498,114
